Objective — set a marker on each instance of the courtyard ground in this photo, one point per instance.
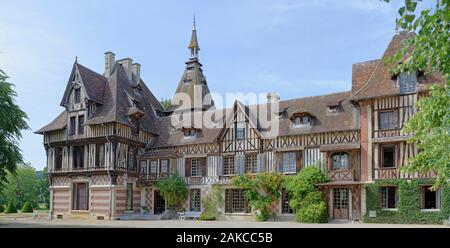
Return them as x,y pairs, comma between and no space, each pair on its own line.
27,221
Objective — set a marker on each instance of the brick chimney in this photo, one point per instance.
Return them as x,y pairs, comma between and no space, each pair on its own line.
272,97
127,66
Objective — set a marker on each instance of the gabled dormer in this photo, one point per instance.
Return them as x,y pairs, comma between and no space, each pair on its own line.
84,89
302,119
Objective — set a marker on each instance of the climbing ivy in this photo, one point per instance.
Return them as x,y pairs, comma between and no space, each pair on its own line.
408,204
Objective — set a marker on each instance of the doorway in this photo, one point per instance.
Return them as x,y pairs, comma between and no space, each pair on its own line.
160,203
340,203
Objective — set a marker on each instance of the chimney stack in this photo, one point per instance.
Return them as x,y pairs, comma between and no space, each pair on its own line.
137,72
272,97
127,64
109,63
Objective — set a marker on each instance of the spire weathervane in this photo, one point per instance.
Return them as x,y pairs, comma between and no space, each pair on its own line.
193,45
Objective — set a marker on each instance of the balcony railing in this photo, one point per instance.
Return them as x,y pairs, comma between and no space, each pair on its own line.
90,168
341,175
394,173
152,176
386,133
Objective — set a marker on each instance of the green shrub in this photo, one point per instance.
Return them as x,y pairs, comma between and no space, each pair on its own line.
10,209
27,208
2,208
208,215
312,213
305,198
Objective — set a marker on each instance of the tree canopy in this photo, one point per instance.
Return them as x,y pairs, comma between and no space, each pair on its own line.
428,51
12,122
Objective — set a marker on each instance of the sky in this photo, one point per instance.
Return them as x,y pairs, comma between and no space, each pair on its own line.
296,48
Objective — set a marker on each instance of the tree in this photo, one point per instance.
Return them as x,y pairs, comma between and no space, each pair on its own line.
261,191
21,186
165,103
428,51
174,190
12,122
43,191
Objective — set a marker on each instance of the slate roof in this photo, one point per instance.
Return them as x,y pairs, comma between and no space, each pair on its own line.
373,79
346,118
113,96
58,123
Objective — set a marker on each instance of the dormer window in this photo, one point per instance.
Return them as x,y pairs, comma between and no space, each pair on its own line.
407,82
332,108
77,95
302,120
191,132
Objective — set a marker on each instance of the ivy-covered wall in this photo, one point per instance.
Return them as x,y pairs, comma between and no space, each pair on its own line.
408,204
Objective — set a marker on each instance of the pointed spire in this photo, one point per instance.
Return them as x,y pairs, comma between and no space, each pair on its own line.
76,59
193,45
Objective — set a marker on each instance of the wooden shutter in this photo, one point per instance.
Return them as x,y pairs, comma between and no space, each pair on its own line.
220,166
187,167
242,164
298,161
279,162
236,165
260,162
203,166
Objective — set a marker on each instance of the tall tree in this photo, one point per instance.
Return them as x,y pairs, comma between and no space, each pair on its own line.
429,51
12,122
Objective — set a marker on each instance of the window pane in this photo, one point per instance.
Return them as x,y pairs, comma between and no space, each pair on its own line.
388,156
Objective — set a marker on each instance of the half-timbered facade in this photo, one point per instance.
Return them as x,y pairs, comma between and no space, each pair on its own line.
113,140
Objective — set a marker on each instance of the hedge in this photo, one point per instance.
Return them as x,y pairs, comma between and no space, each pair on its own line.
10,209
27,208
408,204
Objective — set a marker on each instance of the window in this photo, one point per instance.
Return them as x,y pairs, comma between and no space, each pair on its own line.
288,162
80,196
228,165
196,168
303,120
143,167
332,108
430,199
251,164
285,208
240,130
340,161
388,156
195,200
388,197
131,158
388,120
58,158
407,82
129,206
235,201
190,132
80,124
164,166
78,157
100,155
77,95
136,126
72,125
153,167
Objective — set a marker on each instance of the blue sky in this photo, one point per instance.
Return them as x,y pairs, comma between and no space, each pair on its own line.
297,48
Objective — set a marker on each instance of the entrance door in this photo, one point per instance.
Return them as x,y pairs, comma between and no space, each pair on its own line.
160,204
340,203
